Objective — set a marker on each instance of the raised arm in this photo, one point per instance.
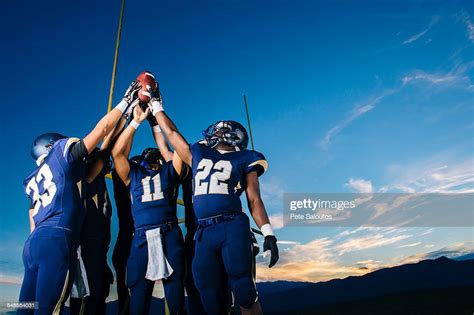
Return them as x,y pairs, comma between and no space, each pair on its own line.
160,139
260,216
162,144
178,142
105,151
122,147
108,122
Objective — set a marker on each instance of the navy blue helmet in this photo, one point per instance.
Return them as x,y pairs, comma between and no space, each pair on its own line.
43,144
228,132
151,156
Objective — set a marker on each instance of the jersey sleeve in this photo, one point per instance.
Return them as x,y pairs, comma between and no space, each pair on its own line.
256,162
72,149
171,171
195,148
133,171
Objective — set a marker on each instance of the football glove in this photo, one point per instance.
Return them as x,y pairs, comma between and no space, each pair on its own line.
270,244
129,111
132,92
156,102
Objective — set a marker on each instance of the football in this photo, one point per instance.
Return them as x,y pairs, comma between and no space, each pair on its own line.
148,83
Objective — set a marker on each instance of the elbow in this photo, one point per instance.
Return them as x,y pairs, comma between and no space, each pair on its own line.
255,202
116,150
103,129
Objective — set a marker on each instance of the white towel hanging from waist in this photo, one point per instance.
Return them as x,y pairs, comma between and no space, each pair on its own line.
158,266
80,287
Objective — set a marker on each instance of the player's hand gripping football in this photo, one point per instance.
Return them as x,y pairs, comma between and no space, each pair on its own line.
270,244
156,102
132,92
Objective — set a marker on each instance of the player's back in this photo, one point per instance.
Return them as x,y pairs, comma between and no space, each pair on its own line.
219,178
54,188
154,194
98,210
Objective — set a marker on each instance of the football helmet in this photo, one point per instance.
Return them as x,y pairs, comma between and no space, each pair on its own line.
43,144
227,131
151,156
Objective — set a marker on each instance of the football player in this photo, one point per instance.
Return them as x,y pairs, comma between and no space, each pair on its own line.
57,211
222,169
124,241
157,250
194,303
95,233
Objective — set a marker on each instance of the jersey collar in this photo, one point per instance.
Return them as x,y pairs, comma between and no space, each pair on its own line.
40,159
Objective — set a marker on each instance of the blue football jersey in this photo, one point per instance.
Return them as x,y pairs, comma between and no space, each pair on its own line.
98,209
55,187
219,178
153,194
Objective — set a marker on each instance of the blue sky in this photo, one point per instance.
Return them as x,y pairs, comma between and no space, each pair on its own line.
344,96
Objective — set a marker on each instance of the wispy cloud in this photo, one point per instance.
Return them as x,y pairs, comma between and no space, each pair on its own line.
429,77
353,115
410,245
368,242
272,190
10,279
436,176
456,77
313,261
415,37
451,251
321,258
465,18
288,243
276,221
360,185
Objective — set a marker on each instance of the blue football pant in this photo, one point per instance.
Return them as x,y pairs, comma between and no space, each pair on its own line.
224,256
49,257
121,250
141,289
99,278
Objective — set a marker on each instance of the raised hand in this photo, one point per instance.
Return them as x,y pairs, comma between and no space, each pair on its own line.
132,92
156,102
139,115
128,112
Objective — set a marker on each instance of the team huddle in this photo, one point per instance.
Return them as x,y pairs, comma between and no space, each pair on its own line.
70,213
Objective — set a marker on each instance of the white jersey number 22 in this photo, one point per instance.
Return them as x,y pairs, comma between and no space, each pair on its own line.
216,184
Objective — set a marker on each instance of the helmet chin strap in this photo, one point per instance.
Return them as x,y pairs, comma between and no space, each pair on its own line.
40,159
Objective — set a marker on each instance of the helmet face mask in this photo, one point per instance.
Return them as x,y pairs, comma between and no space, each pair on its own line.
151,158
227,132
44,143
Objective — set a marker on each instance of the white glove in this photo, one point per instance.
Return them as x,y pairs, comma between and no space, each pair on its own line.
156,103
128,112
132,92
130,95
